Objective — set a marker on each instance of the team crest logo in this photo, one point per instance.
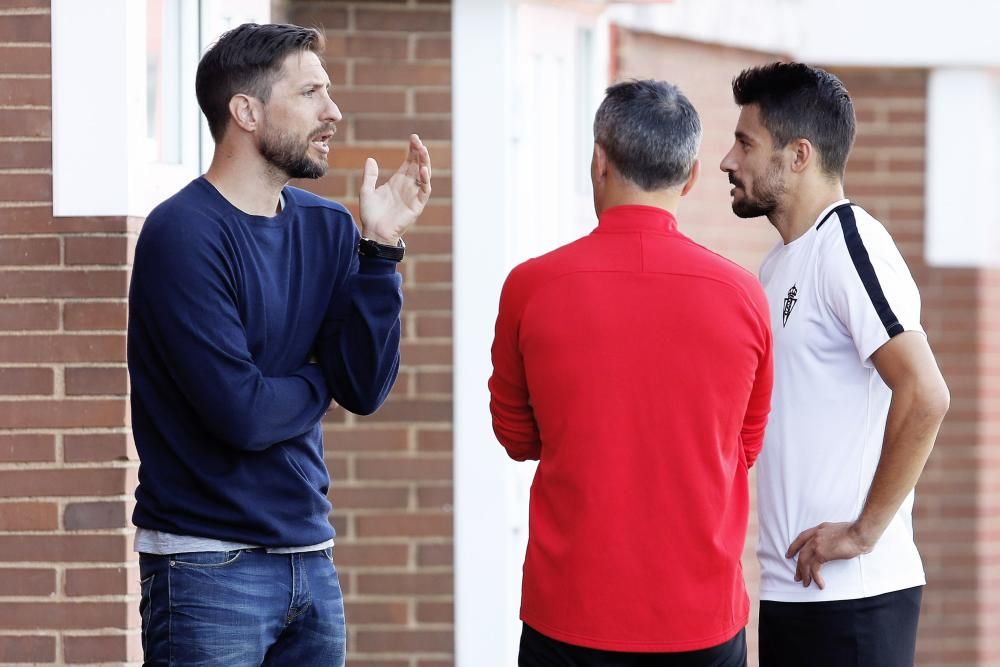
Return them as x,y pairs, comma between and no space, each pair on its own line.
790,302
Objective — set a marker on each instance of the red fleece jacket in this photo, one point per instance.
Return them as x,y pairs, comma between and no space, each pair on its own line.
635,365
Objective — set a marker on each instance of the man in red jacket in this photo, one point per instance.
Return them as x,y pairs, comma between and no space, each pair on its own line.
635,366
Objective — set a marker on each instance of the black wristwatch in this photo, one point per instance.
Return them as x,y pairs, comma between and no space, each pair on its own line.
369,248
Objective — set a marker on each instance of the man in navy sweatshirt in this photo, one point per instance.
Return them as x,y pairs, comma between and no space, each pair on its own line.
253,305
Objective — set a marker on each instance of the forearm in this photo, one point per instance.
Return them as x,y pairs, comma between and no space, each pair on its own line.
514,421
915,416
358,346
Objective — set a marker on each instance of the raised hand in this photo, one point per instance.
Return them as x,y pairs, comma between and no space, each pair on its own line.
390,209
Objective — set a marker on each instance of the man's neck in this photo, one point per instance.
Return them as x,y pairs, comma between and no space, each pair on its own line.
247,181
629,196
799,210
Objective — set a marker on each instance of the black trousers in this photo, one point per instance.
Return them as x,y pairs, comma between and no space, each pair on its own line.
879,631
537,650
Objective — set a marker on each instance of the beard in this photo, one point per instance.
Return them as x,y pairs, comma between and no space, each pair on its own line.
290,155
765,195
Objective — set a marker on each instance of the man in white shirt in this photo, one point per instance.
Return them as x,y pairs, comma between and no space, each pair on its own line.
858,397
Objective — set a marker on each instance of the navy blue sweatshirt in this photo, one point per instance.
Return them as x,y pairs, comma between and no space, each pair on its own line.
226,312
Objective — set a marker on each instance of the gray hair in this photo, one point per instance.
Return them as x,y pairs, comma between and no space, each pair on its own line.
650,132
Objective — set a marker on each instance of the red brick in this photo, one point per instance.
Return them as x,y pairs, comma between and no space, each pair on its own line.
433,48
434,383
436,554
432,271
25,28
28,516
95,447
25,187
54,284
25,60
96,381
434,326
424,353
409,21
429,238
66,482
108,250
414,411
100,581
402,74
405,641
365,440
423,298
384,47
369,497
27,581
354,101
59,615
435,612
26,92
435,440
32,648
62,548
37,219
406,524
398,468
389,613
25,381
96,515
435,498
25,123
318,16
29,251
28,316
95,316
384,583
62,348
388,129
432,102
27,447
62,414
26,155
91,649
368,554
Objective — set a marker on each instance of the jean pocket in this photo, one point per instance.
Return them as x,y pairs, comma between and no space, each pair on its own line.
206,559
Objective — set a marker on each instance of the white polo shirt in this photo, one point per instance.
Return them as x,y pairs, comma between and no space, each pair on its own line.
837,293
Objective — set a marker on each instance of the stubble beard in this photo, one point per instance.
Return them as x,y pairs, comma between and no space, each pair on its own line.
765,195
290,155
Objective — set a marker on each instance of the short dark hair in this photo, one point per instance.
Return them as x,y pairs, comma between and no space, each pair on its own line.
797,101
650,132
247,59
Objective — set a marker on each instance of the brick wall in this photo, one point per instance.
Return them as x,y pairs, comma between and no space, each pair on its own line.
960,490
67,579
390,66
67,576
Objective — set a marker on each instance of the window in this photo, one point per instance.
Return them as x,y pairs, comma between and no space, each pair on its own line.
126,129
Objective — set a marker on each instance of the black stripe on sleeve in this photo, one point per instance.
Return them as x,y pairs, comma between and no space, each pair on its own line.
863,265
836,209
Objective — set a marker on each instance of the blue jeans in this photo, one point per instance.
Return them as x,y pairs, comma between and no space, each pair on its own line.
244,608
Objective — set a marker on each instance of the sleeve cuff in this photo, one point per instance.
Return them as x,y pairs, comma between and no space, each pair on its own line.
376,265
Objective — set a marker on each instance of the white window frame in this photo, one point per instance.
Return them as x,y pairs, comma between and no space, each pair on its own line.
99,161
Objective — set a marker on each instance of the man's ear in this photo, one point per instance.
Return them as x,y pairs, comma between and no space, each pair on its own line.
803,155
692,177
243,112
599,162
